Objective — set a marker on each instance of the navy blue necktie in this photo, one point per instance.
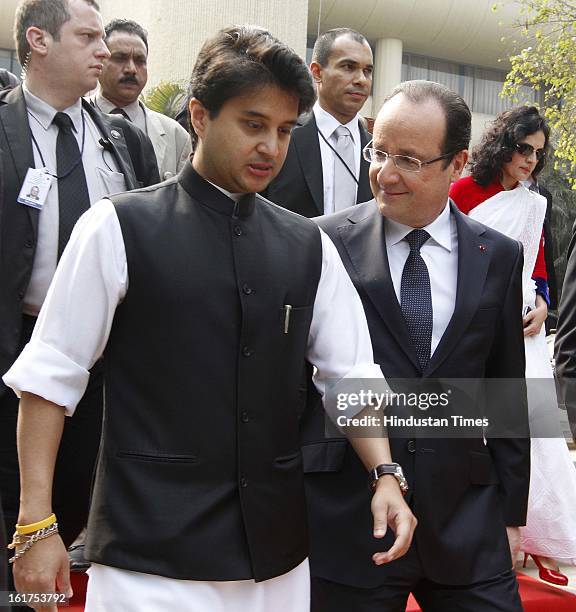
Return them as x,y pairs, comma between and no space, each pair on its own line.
73,197
416,297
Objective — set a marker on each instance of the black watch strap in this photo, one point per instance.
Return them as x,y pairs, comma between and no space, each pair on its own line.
391,469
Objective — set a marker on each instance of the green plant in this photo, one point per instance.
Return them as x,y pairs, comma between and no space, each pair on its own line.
167,98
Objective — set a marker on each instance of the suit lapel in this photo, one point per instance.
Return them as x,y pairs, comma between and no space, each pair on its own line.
157,135
308,150
14,122
365,242
118,148
364,190
474,254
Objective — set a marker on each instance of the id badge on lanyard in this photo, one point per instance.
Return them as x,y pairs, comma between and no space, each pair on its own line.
35,188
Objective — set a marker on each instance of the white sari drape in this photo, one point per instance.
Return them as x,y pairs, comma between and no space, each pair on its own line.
550,530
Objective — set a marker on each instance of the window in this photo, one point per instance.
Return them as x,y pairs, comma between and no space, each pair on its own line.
9,60
480,87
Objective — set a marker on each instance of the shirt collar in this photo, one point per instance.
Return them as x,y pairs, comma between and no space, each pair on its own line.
106,106
327,123
439,230
44,113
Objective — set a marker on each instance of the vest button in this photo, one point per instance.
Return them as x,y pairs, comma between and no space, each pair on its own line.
29,244
411,446
238,230
244,417
247,351
247,290
243,482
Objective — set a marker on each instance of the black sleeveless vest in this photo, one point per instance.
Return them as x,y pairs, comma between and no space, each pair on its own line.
199,475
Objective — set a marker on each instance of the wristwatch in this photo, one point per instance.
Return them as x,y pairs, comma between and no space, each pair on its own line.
393,469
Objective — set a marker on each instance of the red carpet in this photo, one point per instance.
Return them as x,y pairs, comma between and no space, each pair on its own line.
79,582
536,596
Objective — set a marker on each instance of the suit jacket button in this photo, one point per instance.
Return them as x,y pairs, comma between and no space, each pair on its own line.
247,351
238,230
29,244
244,417
243,482
247,290
411,446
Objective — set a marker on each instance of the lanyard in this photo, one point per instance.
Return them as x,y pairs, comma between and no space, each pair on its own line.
338,156
76,163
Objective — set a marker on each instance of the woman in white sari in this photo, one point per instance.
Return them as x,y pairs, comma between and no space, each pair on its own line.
512,151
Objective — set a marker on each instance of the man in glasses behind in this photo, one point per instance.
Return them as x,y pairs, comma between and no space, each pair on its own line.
442,296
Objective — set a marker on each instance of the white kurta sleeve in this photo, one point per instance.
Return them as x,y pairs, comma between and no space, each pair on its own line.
76,317
339,343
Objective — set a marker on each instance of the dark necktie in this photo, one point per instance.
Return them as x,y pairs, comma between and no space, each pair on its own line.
73,198
416,297
120,111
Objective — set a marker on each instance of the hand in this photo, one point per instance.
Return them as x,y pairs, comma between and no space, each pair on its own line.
44,569
513,534
535,318
390,510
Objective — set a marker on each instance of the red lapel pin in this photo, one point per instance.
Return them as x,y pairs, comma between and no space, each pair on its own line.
482,247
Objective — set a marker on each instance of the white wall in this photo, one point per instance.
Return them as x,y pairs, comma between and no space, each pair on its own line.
177,28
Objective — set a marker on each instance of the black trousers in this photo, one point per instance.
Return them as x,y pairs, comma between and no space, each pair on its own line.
75,463
498,594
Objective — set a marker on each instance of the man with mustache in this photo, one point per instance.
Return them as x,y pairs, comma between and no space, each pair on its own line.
49,136
124,76
324,170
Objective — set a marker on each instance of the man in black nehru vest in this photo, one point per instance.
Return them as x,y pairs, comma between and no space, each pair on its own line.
205,300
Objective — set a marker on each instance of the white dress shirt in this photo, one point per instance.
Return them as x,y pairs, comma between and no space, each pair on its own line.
440,253
328,124
102,178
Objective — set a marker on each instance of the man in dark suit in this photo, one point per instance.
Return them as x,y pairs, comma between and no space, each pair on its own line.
442,295
565,339
324,170
549,255
60,44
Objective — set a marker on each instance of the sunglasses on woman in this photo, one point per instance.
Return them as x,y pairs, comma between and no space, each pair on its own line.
526,150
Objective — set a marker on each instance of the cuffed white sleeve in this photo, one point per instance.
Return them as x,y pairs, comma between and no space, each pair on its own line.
339,343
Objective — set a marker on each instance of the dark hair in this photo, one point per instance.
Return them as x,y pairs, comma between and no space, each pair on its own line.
128,26
48,15
498,142
325,42
456,112
240,59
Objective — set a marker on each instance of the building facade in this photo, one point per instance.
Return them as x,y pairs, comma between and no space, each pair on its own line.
456,42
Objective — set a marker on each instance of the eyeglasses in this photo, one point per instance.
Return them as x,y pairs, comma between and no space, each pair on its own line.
526,150
402,162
